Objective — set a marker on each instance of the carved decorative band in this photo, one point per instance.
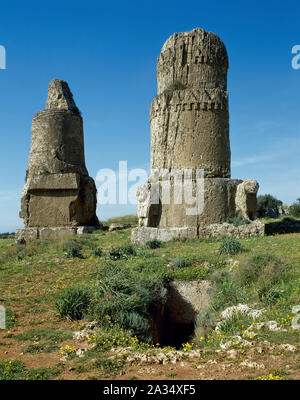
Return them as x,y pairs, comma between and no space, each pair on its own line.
197,106
220,61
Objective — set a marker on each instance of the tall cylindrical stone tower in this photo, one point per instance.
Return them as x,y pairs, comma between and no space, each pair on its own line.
57,135
189,117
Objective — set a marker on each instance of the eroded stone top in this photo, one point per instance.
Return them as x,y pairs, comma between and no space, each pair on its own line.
60,97
194,59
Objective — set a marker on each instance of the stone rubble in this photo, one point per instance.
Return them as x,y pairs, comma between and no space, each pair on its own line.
252,364
240,308
86,332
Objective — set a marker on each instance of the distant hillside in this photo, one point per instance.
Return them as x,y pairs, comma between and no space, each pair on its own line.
125,219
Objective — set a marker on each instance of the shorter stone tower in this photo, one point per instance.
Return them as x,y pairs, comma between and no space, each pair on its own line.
190,147
59,197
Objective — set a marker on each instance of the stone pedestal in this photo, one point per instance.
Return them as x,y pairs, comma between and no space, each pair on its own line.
27,235
141,235
221,199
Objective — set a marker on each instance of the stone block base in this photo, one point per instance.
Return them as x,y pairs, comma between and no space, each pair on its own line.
253,229
143,234
26,235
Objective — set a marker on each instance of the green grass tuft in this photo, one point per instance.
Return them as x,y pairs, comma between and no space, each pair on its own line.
73,302
180,262
153,244
238,220
230,245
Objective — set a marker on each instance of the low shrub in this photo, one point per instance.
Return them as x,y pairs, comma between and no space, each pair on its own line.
72,248
153,244
230,245
258,267
265,272
97,252
133,321
40,348
294,209
258,278
87,241
74,252
11,318
238,220
116,253
267,206
126,297
21,254
7,235
179,262
235,324
73,302
43,373
11,370
228,292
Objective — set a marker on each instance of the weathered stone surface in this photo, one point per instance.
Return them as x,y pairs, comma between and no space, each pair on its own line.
56,143
190,126
58,191
167,234
144,234
252,229
186,299
245,199
187,133
173,322
218,205
190,131
26,235
196,58
54,182
83,230
117,226
60,97
56,233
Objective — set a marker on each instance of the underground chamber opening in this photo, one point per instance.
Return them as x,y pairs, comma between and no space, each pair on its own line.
174,322
175,334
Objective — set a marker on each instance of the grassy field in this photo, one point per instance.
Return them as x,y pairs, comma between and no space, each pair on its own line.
39,344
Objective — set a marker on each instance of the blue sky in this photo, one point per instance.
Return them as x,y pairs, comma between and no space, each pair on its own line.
107,53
